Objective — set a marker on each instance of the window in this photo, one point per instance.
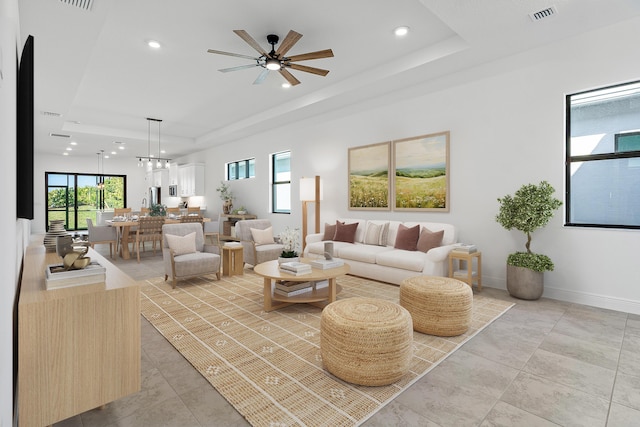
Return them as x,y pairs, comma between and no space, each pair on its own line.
75,197
603,157
241,169
281,182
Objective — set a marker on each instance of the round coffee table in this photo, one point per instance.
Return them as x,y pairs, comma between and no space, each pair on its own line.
270,270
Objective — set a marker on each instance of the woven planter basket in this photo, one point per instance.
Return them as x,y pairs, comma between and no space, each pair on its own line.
438,305
366,341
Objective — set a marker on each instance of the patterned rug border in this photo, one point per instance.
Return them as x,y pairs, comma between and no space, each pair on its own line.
375,398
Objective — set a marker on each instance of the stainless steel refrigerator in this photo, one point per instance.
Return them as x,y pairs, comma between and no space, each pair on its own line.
154,196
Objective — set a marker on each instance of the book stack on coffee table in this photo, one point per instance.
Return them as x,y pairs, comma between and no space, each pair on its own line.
295,268
288,289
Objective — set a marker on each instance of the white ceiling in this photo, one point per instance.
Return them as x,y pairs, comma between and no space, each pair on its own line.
95,69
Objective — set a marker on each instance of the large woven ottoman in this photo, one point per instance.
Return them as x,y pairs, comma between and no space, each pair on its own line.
438,305
366,341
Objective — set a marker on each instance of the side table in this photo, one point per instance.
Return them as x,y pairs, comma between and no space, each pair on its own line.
467,274
232,261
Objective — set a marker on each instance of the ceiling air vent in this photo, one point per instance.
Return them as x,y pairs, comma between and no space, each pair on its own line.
60,135
50,114
543,14
82,4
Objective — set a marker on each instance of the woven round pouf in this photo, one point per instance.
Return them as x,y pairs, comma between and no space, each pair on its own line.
438,305
366,341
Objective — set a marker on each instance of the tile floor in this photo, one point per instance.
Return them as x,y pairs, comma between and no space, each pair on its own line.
543,363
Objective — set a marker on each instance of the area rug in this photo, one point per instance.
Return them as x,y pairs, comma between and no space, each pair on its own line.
268,365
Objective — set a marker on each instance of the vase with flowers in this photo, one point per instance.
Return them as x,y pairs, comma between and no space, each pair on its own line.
290,239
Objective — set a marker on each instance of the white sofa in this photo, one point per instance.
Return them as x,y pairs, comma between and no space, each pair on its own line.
385,263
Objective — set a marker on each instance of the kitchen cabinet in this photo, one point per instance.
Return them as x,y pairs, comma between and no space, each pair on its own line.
173,174
191,180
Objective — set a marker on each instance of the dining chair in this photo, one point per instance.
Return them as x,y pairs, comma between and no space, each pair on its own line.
144,211
132,230
212,229
102,234
121,211
175,211
193,209
149,230
197,219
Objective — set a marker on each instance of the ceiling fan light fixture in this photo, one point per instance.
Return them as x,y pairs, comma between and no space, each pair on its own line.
272,64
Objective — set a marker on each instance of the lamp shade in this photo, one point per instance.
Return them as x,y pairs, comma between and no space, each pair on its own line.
308,189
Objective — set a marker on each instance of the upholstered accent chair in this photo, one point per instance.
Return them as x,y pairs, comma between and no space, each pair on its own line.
256,251
186,255
99,234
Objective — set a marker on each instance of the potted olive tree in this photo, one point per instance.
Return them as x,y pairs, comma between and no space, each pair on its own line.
530,208
226,195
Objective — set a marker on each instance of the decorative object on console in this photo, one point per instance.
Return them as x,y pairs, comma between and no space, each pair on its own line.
369,177
226,195
56,228
310,191
531,207
276,60
421,173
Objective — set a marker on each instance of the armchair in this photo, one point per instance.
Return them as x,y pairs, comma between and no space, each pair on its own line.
186,257
253,252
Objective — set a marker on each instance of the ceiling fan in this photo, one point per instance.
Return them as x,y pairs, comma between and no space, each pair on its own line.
276,59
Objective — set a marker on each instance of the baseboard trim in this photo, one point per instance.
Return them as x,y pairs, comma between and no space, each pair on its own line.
584,298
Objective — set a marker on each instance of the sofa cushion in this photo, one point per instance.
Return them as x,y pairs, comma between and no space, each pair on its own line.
345,232
429,240
406,260
262,237
360,252
407,238
376,233
182,244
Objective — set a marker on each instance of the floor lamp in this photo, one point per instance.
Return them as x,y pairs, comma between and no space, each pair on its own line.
310,191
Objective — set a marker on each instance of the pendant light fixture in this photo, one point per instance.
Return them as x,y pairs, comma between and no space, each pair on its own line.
149,158
100,184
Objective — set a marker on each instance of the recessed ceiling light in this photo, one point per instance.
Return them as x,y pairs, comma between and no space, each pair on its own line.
121,147
163,151
73,143
106,156
154,44
65,154
401,31
286,85
114,153
68,148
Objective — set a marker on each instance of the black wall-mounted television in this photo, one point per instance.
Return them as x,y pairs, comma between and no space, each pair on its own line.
24,140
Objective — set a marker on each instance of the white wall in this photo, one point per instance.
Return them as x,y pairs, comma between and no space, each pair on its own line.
507,129
13,231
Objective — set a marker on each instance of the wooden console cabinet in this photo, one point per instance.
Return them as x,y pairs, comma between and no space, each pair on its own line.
78,347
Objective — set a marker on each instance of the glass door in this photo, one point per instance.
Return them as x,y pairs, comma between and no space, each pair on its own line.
75,197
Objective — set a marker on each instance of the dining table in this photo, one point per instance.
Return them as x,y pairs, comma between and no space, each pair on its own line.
124,228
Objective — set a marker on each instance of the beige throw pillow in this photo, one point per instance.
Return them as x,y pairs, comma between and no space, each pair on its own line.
376,234
262,237
182,244
429,239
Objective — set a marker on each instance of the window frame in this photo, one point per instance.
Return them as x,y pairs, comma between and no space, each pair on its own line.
614,155
275,184
249,168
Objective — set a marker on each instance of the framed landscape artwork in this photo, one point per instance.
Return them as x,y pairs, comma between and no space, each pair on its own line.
421,173
369,177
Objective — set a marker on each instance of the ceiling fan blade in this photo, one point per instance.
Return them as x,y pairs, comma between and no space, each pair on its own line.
327,53
289,77
237,55
313,70
241,67
250,40
263,75
288,42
